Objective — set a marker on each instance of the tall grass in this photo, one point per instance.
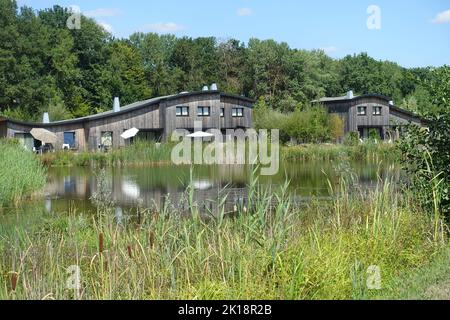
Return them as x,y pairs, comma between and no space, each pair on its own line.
139,153
272,249
363,151
149,153
21,174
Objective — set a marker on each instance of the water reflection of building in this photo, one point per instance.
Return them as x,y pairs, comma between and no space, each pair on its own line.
75,186
127,192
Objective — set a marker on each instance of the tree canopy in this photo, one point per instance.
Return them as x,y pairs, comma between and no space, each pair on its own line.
44,66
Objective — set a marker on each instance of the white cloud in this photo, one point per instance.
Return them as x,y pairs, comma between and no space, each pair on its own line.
442,17
242,12
102,12
167,27
330,49
106,26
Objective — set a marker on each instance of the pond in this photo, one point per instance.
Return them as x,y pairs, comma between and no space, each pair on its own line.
156,186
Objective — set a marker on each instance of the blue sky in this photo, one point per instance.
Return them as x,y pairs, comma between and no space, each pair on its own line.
413,33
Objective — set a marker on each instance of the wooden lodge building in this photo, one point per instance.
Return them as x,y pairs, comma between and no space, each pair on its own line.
370,112
156,119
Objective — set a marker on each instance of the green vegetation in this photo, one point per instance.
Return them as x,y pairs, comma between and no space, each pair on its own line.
306,125
278,251
71,73
143,153
360,151
430,282
21,174
139,153
426,152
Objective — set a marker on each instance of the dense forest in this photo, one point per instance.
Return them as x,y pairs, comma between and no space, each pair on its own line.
45,66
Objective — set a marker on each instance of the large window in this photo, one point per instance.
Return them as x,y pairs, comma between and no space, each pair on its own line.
203,111
69,139
362,111
106,139
377,111
182,111
237,112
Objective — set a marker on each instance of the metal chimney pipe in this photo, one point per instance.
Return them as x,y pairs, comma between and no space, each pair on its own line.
116,106
46,118
350,94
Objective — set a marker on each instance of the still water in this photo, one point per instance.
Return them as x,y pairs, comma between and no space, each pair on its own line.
133,189
154,187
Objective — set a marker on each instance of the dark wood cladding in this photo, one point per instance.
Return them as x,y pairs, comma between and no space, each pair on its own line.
157,114
389,118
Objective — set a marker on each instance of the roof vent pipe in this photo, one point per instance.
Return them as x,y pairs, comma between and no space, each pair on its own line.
350,94
205,88
214,87
45,118
116,106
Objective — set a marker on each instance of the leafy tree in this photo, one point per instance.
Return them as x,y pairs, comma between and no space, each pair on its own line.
426,155
41,61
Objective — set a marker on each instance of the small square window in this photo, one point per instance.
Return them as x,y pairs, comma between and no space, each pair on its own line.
362,111
237,112
203,111
182,112
377,111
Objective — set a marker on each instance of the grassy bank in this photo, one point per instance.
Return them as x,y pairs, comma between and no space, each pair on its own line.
21,174
278,251
429,282
139,153
363,151
145,153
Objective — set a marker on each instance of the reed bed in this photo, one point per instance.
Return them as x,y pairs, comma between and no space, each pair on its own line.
143,153
21,174
362,151
139,153
272,249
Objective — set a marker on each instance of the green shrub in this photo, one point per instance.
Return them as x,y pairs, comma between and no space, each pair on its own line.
351,138
426,158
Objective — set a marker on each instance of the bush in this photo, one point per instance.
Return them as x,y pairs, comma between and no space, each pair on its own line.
310,125
426,158
336,127
351,139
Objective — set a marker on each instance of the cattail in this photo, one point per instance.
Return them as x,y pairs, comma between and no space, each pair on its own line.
14,277
130,252
151,239
100,243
